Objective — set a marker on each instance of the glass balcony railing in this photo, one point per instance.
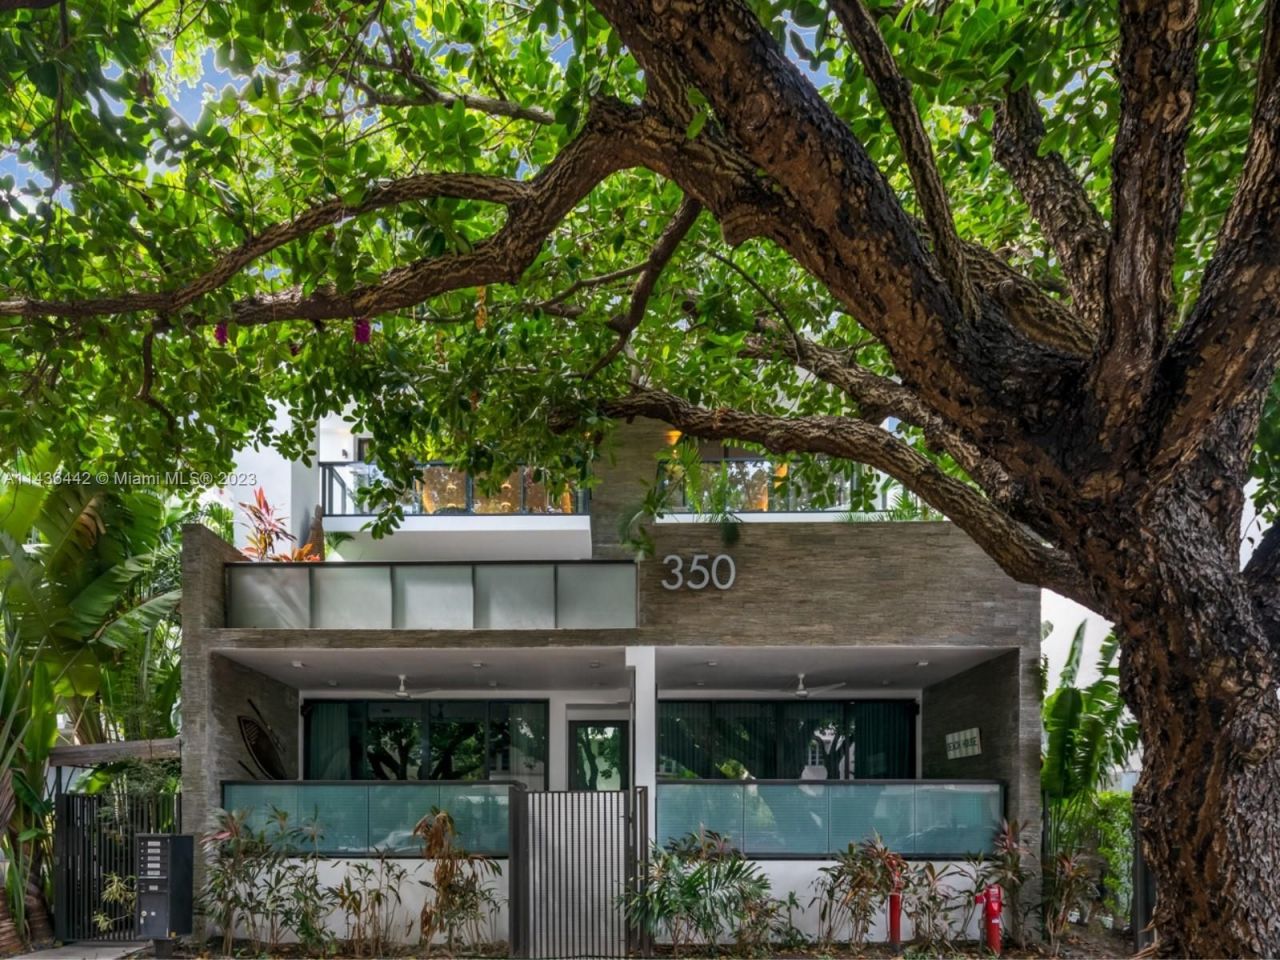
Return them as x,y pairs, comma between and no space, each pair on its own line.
442,491
583,595
362,817
917,818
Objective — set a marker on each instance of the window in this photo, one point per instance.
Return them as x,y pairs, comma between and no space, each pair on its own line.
497,740
787,739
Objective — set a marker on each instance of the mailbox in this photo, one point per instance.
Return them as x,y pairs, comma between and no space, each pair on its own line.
165,861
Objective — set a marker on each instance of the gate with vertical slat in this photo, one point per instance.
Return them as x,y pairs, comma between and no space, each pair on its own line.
93,841
573,855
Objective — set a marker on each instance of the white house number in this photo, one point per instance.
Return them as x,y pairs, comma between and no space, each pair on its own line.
719,572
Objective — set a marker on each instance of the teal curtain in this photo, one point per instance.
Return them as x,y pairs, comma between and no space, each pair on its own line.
746,740
328,741
884,737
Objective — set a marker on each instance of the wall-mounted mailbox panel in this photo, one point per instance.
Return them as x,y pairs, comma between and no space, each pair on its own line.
164,906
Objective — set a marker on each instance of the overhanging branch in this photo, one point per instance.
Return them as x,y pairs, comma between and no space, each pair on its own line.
895,96
1020,554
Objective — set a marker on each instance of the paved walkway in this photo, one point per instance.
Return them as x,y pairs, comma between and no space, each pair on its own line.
84,951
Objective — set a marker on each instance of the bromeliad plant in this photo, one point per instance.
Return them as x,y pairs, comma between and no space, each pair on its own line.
461,894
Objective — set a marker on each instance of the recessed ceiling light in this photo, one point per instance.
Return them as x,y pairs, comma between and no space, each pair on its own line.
922,663
298,664
885,683
713,663
493,683
700,684
333,683
594,664
477,664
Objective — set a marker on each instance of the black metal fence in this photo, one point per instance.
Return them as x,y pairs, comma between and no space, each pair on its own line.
94,860
573,857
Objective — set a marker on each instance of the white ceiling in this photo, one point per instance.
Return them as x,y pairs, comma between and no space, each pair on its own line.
682,669
512,668
775,668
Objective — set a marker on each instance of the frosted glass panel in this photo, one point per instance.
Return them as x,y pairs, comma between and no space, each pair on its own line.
269,595
352,595
595,595
956,818
433,598
510,597
393,813
786,819
865,810
694,808
481,815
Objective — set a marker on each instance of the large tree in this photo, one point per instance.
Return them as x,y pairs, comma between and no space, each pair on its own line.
1023,257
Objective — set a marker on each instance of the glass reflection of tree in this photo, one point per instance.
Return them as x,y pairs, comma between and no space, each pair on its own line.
457,749
394,748
599,750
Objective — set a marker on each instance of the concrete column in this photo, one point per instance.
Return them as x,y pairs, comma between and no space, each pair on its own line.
557,742
642,663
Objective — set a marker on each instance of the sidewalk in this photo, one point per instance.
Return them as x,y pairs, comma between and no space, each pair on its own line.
85,951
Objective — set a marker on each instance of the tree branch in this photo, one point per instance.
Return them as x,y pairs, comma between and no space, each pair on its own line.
879,397
1157,74
1057,200
1230,344
1020,554
428,94
659,257
535,209
895,96
422,187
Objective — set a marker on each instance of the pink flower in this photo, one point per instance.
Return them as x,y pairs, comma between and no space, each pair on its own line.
220,333
362,330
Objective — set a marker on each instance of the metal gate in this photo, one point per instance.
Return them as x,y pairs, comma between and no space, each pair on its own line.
93,857
573,856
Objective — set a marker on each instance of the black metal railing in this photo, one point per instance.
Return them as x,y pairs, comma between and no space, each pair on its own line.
746,485
440,490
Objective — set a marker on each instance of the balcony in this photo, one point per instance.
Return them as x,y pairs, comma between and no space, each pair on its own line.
442,491
358,818
753,486
581,595
923,819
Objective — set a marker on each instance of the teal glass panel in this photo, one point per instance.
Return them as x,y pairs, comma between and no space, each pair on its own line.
341,813
481,815
956,819
786,818
860,811
260,800
884,736
393,813
685,808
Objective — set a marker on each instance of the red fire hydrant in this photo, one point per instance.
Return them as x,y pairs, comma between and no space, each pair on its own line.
992,901
895,913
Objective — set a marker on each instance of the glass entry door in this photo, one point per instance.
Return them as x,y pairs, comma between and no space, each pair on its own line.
599,753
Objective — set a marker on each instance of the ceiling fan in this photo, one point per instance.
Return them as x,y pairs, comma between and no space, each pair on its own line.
403,693
799,691
803,692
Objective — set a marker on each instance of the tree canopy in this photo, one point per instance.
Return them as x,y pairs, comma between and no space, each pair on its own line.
1024,257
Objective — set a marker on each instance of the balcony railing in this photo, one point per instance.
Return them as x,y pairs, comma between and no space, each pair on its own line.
924,819
363,817
740,485
568,595
442,491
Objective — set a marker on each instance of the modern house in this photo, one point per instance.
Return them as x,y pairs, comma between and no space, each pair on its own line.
812,682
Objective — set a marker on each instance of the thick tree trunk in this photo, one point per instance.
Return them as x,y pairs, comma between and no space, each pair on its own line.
1197,672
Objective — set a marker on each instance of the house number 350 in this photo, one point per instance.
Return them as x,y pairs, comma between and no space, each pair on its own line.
720,572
